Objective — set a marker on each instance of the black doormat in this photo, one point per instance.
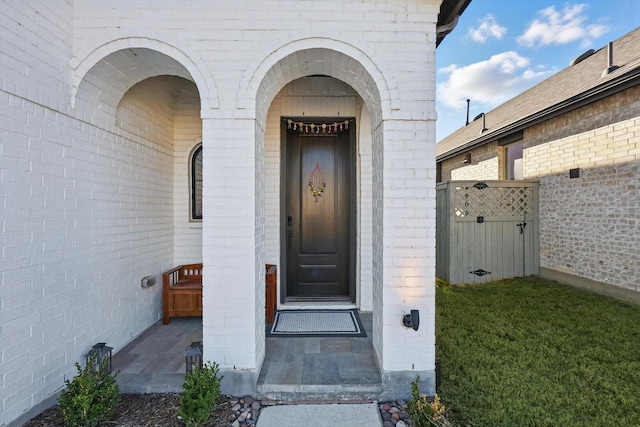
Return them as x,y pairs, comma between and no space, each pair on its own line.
316,323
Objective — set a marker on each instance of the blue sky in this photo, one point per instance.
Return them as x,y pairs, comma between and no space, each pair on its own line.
500,48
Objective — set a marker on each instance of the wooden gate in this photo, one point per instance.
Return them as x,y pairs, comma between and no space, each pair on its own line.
486,230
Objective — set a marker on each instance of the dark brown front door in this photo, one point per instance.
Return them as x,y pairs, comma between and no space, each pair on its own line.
318,209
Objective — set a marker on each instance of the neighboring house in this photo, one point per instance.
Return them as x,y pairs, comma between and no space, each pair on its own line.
136,136
578,133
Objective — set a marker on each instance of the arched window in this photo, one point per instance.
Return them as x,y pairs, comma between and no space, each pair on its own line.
196,183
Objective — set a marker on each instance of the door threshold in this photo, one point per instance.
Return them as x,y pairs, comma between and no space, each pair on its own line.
298,303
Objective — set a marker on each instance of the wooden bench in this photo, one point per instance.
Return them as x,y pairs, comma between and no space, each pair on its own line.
271,281
182,292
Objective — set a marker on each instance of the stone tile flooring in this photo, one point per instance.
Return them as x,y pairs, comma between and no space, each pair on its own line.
295,368
154,361
326,368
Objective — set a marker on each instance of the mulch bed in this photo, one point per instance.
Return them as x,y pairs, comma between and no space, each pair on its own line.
161,409
158,409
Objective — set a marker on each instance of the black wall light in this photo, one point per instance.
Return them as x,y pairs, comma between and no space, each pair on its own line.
412,320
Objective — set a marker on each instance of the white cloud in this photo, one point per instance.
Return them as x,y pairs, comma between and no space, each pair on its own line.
561,27
488,27
488,83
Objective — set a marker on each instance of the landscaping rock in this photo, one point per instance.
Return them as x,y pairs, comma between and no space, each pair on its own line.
395,414
161,409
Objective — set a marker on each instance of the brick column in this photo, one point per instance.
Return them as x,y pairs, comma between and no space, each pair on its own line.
231,280
408,254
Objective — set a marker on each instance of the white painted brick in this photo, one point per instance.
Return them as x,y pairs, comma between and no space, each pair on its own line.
112,176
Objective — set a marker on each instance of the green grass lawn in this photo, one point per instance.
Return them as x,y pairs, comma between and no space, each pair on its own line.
531,352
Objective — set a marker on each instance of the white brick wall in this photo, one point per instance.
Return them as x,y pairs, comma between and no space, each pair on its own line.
145,112
92,195
408,245
165,111
187,135
35,245
35,37
378,243
365,209
81,226
229,244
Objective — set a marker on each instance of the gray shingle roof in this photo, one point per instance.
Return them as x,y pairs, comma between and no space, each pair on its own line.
571,84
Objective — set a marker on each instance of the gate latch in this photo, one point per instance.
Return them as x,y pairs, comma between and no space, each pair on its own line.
522,225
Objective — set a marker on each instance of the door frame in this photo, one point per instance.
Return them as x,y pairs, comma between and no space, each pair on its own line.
284,298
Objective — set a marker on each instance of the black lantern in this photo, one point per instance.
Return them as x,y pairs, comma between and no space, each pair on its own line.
193,356
97,355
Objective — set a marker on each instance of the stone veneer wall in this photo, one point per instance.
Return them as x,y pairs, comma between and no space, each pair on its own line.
590,226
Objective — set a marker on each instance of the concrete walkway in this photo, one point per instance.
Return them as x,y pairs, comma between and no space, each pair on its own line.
353,415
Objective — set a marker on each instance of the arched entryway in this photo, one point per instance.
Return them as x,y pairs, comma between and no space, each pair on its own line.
141,109
321,86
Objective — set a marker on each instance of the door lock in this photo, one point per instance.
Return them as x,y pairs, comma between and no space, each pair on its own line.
290,221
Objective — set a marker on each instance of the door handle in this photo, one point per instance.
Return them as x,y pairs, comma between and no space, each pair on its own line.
290,221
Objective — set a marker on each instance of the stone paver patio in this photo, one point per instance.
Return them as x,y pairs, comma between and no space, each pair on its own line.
295,368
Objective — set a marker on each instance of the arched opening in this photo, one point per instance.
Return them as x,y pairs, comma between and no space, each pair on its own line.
329,101
103,86
163,112
322,85
142,111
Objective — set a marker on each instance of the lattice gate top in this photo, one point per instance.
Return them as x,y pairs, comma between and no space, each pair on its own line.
486,230
493,201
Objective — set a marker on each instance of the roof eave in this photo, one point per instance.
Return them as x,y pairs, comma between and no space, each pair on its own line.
604,90
450,10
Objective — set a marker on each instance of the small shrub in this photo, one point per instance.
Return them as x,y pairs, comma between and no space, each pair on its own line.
89,398
198,399
424,412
